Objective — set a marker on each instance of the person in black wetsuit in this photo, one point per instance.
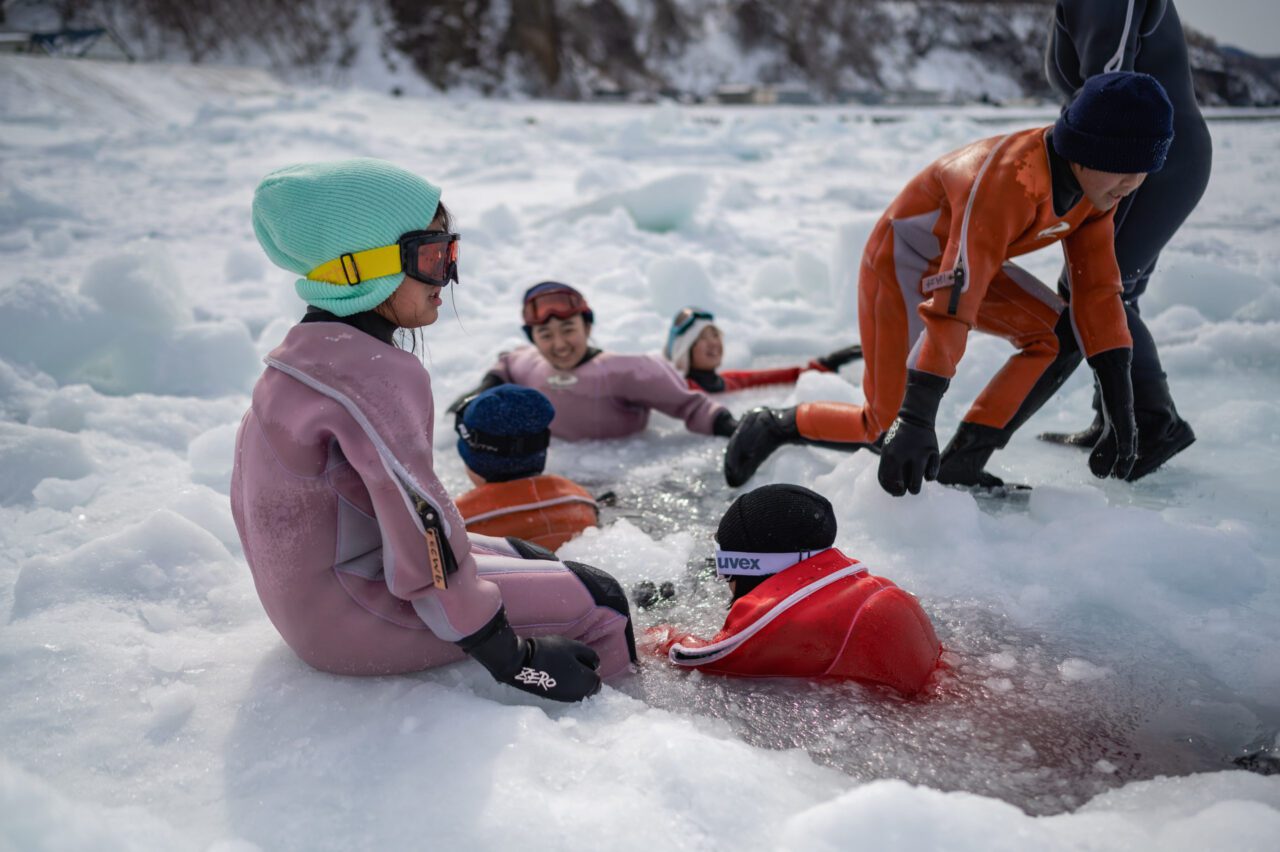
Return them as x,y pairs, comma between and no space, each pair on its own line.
1091,37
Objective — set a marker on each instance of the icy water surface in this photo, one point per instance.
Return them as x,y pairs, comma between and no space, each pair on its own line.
1043,721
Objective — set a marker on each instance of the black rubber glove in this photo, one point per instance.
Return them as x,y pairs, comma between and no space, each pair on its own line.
1117,448
910,452
550,666
833,361
646,594
724,425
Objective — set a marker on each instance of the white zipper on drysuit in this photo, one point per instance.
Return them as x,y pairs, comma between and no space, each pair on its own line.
682,656
957,275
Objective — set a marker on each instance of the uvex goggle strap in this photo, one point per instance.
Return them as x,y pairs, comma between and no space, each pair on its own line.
427,256
742,563
512,446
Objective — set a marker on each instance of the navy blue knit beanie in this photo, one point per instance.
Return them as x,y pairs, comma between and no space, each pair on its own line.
1120,123
503,433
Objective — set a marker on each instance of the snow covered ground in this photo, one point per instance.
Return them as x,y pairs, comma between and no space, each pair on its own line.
1112,647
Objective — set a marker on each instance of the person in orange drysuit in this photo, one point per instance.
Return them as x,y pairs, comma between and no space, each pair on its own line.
503,435
801,608
937,265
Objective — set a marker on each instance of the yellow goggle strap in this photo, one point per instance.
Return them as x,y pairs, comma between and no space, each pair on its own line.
351,269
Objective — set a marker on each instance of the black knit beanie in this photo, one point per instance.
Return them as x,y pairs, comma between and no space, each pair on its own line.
776,519
1121,123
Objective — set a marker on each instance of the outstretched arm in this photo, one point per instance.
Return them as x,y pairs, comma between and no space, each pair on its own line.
651,382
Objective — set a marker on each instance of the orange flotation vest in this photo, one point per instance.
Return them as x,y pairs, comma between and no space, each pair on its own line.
546,510
823,617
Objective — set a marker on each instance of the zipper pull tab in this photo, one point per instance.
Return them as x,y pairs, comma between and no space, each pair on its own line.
957,287
439,555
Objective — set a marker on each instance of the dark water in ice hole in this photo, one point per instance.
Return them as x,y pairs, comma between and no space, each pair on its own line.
999,721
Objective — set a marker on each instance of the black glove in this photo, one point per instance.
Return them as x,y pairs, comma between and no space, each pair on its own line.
910,452
646,594
1117,448
550,666
724,425
833,361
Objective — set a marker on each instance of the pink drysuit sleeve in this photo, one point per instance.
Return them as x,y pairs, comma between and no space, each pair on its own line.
652,382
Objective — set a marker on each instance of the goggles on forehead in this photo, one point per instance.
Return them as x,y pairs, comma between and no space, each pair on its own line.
687,317
427,256
560,304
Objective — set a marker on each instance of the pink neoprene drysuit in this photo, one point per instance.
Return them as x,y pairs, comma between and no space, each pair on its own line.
337,442
611,395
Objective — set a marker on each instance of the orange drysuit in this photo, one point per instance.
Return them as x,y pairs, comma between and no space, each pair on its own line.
546,510
957,223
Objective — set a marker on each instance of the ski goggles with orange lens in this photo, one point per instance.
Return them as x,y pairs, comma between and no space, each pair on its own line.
427,256
430,256
560,304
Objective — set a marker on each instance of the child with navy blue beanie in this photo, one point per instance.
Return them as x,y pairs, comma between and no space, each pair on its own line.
1119,123
938,265
503,434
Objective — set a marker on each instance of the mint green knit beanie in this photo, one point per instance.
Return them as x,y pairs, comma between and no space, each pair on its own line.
310,213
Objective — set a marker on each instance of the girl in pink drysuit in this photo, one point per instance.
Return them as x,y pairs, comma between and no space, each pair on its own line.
596,394
360,558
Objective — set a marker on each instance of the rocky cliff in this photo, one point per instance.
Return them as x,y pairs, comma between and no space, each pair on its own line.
826,49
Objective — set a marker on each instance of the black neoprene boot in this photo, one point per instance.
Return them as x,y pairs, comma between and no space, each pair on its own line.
965,457
759,433
1086,437
1162,434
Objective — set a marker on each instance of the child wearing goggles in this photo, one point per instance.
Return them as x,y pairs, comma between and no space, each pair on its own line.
695,345
362,561
596,394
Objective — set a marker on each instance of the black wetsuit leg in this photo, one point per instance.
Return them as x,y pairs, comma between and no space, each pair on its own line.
1149,219
1089,37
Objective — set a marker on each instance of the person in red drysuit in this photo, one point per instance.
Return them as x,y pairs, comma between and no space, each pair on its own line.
695,346
801,608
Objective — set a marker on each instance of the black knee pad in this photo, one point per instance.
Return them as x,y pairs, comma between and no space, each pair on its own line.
529,550
605,591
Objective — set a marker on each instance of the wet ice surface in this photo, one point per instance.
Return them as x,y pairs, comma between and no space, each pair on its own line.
1043,720
1101,634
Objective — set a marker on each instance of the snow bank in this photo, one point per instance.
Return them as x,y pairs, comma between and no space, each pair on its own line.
660,206
29,455
162,559
212,454
1205,812
37,816
1110,647
129,328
